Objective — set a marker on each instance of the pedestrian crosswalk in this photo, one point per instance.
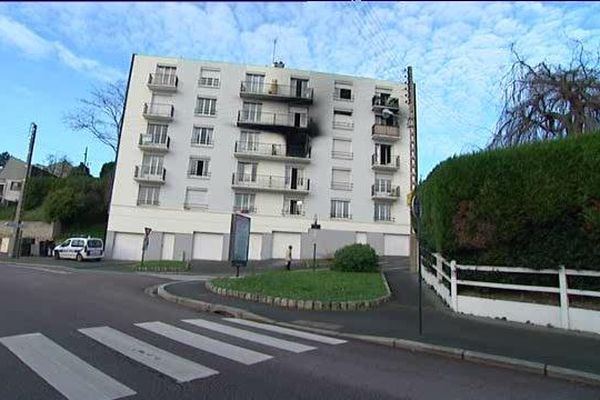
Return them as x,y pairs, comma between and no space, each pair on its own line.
75,378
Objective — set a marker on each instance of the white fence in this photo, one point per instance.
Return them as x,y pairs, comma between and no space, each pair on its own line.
444,276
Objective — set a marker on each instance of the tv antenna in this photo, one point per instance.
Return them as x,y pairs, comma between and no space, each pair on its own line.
274,48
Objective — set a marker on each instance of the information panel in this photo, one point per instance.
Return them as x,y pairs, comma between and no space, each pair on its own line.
239,239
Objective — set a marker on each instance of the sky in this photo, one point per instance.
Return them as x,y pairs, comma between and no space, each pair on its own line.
55,53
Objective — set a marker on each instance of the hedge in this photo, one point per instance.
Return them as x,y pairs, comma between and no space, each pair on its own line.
355,258
536,205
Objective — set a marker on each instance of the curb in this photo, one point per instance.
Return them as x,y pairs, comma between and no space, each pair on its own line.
307,305
516,364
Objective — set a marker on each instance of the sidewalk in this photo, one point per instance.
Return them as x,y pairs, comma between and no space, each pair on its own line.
399,319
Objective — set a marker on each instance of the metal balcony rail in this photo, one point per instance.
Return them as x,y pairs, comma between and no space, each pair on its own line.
382,191
143,202
270,149
244,210
288,211
270,182
386,218
166,80
150,173
276,89
158,141
385,130
385,101
298,120
392,161
159,110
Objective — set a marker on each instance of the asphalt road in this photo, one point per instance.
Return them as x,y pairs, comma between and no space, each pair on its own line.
55,304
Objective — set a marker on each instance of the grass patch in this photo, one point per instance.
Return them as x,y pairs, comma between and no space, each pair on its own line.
163,266
8,214
322,285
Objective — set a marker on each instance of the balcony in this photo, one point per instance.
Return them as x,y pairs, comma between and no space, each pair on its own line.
390,163
273,122
158,112
162,82
270,183
276,92
150,174
297,212
383,193
380,102
388,133
154,143
272,151
244,210
146,202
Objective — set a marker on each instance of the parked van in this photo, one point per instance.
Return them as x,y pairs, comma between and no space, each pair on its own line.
79,248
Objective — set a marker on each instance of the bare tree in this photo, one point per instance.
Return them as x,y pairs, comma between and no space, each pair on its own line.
545,102
58,165
100,114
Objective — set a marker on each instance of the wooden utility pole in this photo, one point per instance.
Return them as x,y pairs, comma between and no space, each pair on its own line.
15,250
414,162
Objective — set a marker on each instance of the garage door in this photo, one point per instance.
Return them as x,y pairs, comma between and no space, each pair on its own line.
128,246
281,241
208,246
255,246
396,245
168,245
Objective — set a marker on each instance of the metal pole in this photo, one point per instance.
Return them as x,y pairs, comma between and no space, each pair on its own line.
16,238
143,253
420,297
314,256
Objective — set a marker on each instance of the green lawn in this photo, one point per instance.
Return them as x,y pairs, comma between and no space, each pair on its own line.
321,285
163,266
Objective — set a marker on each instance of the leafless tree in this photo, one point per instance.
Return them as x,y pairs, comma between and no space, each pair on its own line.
545,102
58,165
100,114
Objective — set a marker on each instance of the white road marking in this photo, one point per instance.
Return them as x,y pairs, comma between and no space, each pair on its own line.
71,376
169,364
52,270
287,331
250,336
235,353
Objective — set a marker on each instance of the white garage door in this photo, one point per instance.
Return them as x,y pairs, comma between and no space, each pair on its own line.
255,246
396,245
281,241
208,246
128,246
168,245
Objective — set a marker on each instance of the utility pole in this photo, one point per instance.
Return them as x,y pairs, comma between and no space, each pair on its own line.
15,250
85,157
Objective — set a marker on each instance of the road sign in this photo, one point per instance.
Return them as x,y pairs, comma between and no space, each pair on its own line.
239,240
147,230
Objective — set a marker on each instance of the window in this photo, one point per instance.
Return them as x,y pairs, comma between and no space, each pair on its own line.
251,112
196,198
342,119
340,179
343,91
206,106
294,178
246,172
202,135
165,75
198,167
299,88
383,184
340,209
254,83
244,202
148,195
156,134
249,141
77,243
94,244
383,154
16,186
293,207
209,77
383,212
342,148
152,164
387,121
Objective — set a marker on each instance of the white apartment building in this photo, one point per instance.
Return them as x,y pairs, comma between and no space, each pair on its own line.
201,140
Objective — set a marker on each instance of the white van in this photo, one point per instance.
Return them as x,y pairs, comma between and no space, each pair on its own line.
80,249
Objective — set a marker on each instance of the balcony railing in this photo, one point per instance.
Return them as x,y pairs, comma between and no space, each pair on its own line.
341,185
158,111
379,101
383,218
271,150
270,182
268,120
275,91
385,192
154,142
288,211
393,162
385,131
143,202
148,173
244,210
166,82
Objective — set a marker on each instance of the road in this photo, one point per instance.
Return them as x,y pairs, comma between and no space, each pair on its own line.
92,335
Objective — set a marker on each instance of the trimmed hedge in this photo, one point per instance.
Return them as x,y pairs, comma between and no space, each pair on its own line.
536,205
355,258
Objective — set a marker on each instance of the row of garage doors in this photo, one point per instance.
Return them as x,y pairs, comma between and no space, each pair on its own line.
209,246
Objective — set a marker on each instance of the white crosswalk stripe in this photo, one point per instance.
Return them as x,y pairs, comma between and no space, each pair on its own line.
222,349
287,331
178,368
68,374
250,336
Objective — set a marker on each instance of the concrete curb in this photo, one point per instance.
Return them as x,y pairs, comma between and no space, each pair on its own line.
516,364
307,305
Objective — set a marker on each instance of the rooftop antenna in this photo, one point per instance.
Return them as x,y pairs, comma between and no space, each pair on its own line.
274,48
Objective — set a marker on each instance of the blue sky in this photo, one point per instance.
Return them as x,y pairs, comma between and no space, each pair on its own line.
54,53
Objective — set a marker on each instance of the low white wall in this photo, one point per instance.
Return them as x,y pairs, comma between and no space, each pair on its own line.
584,320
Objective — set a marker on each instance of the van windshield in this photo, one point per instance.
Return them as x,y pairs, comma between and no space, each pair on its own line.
94,244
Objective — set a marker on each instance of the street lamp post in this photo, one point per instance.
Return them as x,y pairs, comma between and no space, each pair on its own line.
315,225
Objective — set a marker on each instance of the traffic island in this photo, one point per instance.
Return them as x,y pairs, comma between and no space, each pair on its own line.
320,290
163,266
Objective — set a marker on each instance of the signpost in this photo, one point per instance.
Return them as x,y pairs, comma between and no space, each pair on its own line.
315,225
145,244
239,241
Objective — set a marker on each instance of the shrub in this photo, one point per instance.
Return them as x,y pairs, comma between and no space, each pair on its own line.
536,205
355,258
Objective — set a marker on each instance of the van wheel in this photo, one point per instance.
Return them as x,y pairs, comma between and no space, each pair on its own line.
79,258
56,255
